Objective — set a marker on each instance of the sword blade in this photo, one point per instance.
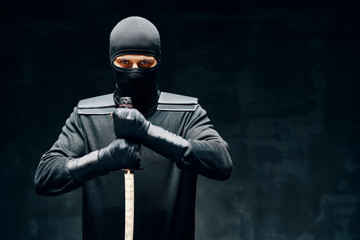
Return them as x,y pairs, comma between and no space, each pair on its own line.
129,204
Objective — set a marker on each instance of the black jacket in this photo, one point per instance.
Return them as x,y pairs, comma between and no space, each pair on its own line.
164,194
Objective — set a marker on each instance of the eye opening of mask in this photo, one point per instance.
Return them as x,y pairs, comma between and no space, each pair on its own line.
134,61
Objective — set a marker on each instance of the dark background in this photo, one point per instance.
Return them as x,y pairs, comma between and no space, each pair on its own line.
280,82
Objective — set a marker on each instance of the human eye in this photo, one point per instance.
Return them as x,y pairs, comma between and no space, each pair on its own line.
123,63
145,63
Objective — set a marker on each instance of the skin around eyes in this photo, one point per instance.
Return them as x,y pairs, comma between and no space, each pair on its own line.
135,61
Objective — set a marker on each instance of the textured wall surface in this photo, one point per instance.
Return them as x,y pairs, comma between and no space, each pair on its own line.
280,82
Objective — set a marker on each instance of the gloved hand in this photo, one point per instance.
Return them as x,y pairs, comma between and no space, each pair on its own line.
129,123
120,154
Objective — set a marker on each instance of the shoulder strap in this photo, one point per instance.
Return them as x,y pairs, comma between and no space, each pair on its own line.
103,104
176,102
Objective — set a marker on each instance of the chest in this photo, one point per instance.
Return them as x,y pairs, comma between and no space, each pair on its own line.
99,129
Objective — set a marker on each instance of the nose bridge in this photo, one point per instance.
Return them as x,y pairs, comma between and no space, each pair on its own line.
135,65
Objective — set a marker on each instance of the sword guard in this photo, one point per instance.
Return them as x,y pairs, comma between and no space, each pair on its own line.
128,171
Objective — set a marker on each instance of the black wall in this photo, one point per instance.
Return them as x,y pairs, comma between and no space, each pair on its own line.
280,82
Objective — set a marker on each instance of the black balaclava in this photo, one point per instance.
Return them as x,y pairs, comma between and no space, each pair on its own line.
136,35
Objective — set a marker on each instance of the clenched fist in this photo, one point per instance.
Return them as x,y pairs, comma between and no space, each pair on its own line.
130,124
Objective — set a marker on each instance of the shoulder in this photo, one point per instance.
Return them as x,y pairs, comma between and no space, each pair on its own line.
175,102
104,104
98,105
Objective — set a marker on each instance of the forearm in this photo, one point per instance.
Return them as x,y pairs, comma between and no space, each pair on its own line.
207,157
52,176
57,173
85,168
166,143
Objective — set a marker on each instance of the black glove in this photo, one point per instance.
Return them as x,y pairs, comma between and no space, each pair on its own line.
131,124
120,154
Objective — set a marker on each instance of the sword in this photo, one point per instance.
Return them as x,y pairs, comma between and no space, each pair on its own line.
125,102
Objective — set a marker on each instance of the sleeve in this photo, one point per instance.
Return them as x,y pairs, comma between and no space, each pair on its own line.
52,176
210,154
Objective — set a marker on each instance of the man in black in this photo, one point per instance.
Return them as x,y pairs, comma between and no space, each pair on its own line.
168,135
